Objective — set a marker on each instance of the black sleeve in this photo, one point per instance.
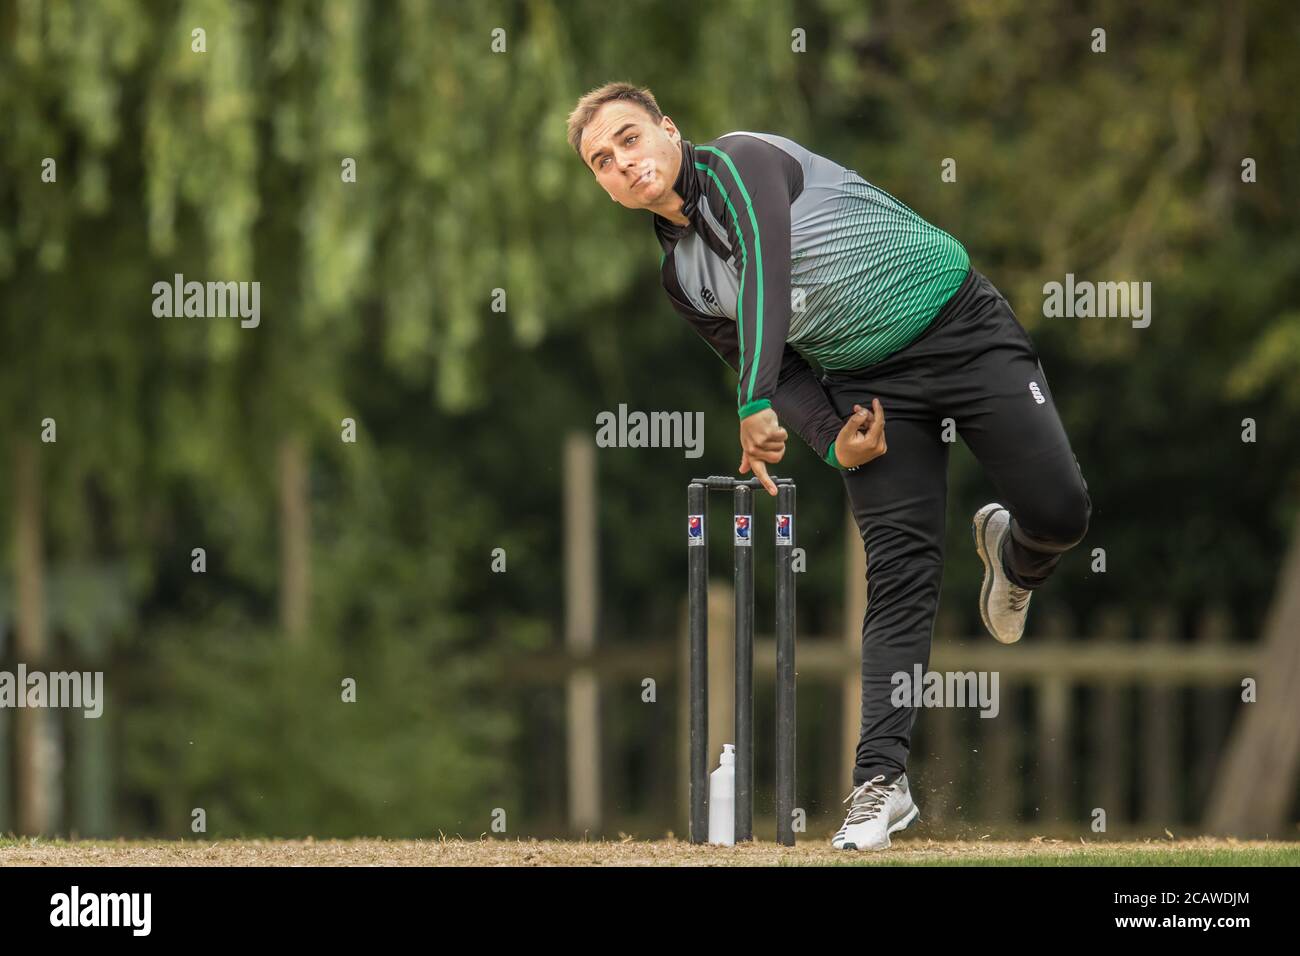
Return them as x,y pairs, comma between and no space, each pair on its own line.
801,402
798,398
759,182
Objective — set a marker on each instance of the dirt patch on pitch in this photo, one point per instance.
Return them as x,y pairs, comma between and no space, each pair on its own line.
523,853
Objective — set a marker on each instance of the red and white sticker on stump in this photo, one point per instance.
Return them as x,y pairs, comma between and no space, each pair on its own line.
784,530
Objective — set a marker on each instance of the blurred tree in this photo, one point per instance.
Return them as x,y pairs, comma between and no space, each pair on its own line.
377,305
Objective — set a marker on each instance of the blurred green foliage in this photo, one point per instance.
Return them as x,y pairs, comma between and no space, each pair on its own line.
376,306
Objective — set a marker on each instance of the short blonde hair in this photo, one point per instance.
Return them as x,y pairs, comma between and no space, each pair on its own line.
594,100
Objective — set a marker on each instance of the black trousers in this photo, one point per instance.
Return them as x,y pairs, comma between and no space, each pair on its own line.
976,365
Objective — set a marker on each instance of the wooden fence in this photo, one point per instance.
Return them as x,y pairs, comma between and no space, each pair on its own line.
1127,715
1127,718
1134,727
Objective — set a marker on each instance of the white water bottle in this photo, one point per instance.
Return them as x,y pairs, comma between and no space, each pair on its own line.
722,799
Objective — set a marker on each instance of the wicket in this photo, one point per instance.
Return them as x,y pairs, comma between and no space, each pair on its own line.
697,612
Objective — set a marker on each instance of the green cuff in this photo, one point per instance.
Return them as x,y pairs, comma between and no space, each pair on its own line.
749,408
831,460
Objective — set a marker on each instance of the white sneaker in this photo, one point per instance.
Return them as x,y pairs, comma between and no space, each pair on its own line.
877,811
1003,605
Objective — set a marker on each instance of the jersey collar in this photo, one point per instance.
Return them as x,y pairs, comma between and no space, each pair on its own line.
688,187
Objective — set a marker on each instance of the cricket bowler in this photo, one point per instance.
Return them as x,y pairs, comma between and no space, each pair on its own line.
781,259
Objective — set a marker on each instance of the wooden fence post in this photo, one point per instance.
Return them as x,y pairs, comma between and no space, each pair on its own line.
37,754
1213,712
581,604
1160,735
1256,785
1108,737
997,766
1052,739
944,764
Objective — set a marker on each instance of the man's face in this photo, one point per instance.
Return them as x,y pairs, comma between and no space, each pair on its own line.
634,159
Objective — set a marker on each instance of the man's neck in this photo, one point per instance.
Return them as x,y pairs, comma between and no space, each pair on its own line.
671,209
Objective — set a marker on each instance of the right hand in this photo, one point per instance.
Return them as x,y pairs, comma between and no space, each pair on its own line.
863,436
762,440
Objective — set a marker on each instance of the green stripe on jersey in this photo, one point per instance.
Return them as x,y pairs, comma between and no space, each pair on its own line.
758,264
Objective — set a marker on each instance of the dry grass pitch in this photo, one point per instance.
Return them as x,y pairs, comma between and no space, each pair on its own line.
499,851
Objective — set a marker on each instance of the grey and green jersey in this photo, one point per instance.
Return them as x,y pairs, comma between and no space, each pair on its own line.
790,256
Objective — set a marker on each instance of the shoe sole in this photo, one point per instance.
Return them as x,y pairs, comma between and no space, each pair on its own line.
903,824
978,525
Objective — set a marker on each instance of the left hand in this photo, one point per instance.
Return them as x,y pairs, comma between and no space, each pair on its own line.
762,441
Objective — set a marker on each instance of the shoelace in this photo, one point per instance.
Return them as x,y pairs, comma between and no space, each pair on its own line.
868,801
1018,597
